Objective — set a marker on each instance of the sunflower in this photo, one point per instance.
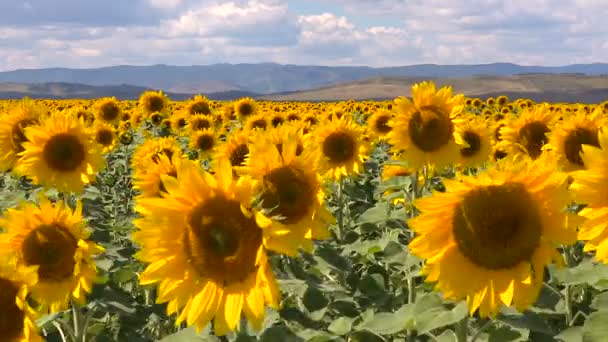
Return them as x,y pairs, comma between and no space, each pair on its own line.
245,108
60,153
424,129
277,119
149,152
157,118
198,105
153,102
17,319
342,148
108,110
205,249
84,114
569,136
290,192
149,183
489,238
589,188
199,122
236,149
178,122
528,133
378,123
203,142
474,137
104,135
54,238
282,134
257,121
12,136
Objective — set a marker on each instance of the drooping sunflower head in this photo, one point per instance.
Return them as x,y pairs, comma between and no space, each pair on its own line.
150,183
342,148
258,121
290,193
206,249
424,128
149,152
17,318
473,136
527,134
489,238
569,136
198,105
52,237
157,118
378,123
153,102
108,110
61,153
277,119
12,132
199,122
244,108
105,135
178,122
204,142
235,149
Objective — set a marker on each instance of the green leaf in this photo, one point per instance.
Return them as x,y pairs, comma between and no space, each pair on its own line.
596,327
341,326
439,317
372,285
600,302
447,336
586,272
314,299
505,334
376,214
572,334
279,333
385,323
188,335
364,336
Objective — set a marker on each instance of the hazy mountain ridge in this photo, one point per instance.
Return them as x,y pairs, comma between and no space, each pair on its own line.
267,78
62,90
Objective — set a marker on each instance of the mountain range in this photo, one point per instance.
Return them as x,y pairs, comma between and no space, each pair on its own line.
268,80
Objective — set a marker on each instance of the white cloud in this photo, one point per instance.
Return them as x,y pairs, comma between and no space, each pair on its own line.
212,31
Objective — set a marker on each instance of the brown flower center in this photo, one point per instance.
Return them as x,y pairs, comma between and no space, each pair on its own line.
430,129
238,155
573,144
17,135
200,108
109,111
287,194
11,317
532,138
339,147
221,243
497,226
52,247
245,109
205,142
474,141
105,137
381,124
64,152
154,104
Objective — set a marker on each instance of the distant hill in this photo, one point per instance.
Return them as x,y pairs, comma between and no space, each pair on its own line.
266,78
538,87
83,91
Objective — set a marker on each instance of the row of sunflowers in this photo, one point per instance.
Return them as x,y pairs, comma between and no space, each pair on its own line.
493,197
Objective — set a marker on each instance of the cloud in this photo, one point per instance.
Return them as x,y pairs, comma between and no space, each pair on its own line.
75,33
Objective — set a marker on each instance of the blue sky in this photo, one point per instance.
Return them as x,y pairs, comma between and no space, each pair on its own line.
91,33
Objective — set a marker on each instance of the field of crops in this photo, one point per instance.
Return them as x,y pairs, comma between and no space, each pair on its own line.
434,217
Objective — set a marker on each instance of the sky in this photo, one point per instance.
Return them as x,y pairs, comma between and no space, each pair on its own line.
96,33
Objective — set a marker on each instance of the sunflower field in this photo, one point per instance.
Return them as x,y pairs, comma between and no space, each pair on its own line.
434,217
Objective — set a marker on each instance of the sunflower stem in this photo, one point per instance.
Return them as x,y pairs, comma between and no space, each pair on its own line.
411,281
568,290
340,217
462,329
